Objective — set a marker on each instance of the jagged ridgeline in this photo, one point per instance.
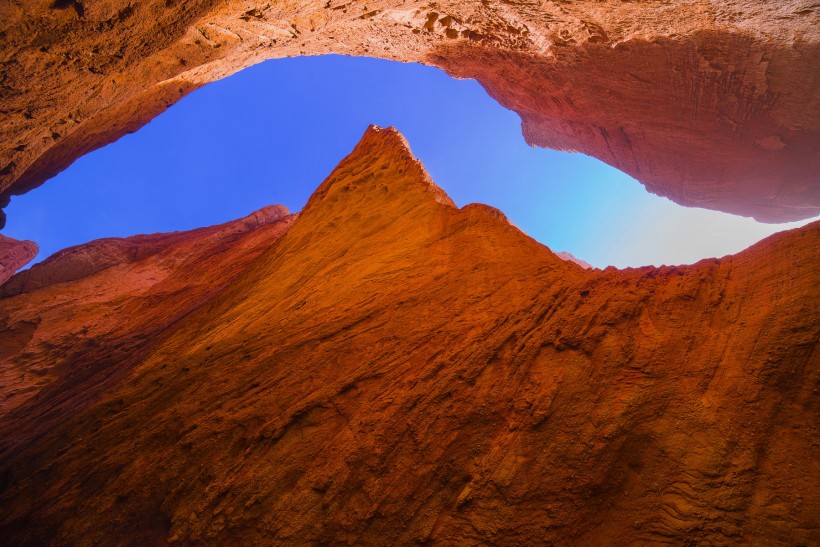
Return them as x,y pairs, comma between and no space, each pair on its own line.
385,367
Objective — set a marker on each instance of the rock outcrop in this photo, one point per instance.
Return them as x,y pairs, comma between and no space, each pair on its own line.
563,255
14,254
117,296
83,260
388,367
712,103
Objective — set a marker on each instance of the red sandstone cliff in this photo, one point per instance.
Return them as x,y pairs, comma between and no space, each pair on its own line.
712,103
389,368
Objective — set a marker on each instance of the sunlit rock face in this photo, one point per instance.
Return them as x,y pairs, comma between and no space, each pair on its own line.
84,260
386,367
116,296
712,103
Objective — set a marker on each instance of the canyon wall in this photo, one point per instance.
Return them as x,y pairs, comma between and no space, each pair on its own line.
389,367
147,283
712,103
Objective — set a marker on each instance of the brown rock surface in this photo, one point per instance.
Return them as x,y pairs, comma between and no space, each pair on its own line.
14,254
713,103
396,370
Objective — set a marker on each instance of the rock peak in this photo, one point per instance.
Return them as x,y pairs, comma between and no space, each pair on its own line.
379,332
389,134
381,163
389,137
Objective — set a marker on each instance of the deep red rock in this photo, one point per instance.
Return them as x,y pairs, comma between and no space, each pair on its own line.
14,254
116,297
83,260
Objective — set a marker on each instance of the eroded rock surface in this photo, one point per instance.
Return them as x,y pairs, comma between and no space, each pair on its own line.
388,367
113,298
712,103
14,254
87,259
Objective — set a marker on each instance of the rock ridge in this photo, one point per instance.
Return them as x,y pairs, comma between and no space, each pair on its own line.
388,367
87,259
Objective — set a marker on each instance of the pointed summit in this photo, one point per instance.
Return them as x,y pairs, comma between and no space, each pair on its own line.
376,222
383,158
396,367
381,192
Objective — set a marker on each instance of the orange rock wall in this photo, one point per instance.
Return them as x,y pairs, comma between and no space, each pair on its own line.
108,300
395,369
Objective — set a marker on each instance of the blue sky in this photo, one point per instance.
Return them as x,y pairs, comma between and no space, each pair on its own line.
273,132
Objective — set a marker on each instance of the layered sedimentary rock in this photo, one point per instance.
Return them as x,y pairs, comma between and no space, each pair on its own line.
388,367
711,103
14,254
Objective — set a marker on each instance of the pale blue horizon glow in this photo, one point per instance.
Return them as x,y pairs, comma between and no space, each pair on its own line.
273,132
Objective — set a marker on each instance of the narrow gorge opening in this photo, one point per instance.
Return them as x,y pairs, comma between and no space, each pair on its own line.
271,133
391,366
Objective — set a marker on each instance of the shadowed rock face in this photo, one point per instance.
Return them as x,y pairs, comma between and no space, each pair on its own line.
388,367
14,255
716,121
712,103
